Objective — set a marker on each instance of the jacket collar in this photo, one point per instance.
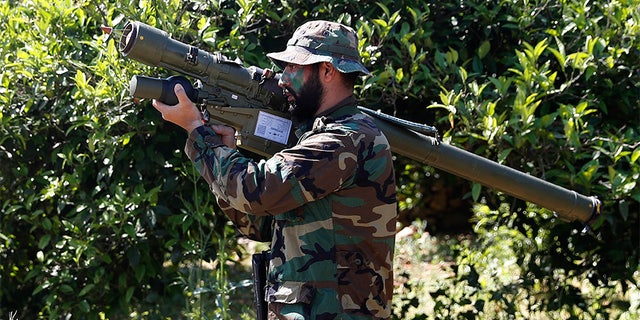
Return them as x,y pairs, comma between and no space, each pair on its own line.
344,107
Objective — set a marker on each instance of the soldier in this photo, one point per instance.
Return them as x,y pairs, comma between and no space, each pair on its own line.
327,204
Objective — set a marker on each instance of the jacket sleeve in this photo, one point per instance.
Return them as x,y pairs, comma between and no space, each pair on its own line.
319,164
202,147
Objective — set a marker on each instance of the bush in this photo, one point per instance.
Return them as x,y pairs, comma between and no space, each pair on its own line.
90,223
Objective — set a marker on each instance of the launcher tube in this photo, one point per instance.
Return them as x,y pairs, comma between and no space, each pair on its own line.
568,204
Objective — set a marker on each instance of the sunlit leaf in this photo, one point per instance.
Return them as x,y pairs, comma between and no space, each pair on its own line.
484,49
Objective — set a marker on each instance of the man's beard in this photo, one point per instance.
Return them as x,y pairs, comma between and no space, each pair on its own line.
307,101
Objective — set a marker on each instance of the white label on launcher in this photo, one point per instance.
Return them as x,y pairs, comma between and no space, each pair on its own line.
272,127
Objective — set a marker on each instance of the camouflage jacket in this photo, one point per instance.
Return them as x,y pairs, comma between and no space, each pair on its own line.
328,206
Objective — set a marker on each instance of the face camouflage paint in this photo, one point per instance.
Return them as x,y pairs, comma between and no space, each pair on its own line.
307,95
293,75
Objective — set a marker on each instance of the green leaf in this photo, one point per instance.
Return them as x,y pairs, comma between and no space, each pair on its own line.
635,155
381,23
475,191
484,49
463,74
399,75
129,294
44,241
40,287
81,80
84,306
384,8
86,289
412,50
450,108
504,154
124,139
66,289
559,56
140,272
46,223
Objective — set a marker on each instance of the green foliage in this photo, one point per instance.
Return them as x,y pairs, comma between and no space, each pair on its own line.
99,207
492,276
104,217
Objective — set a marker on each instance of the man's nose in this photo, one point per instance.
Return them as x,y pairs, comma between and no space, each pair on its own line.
283,82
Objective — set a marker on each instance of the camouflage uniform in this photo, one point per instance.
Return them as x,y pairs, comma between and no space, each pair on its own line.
328,206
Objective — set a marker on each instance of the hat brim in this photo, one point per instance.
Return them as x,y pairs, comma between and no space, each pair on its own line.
302,56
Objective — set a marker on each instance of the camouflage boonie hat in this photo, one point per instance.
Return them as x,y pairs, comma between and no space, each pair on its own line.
322,41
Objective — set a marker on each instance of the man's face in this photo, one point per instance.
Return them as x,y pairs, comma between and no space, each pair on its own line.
303,90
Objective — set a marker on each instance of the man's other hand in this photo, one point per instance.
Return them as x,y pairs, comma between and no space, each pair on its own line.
185,114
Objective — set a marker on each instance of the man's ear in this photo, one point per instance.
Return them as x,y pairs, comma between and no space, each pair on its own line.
327,71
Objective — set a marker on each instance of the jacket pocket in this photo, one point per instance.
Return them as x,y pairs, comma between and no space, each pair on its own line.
359,286
290,292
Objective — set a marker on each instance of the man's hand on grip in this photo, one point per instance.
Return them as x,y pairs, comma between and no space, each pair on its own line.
226,133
